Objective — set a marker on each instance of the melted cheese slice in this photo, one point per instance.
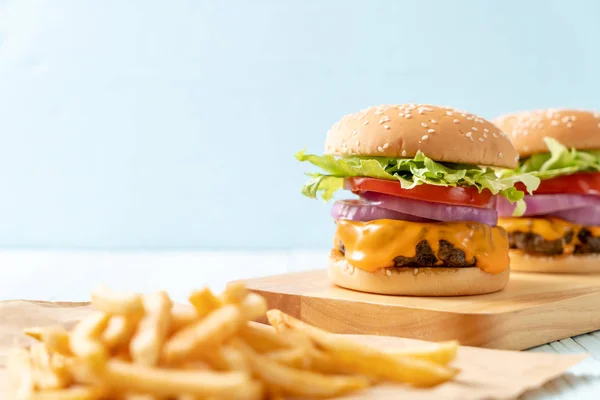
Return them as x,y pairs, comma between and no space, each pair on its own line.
549,229
373,245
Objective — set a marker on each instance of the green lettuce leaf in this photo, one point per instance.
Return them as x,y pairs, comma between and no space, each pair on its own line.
411,172
560,161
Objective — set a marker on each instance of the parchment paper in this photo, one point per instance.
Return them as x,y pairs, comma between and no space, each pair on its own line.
486,374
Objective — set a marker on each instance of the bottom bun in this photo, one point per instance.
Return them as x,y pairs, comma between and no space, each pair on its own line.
574,264
415,281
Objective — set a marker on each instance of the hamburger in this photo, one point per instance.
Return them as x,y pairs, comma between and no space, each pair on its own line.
560,230
427,180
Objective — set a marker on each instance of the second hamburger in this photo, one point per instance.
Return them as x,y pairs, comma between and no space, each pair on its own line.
560,231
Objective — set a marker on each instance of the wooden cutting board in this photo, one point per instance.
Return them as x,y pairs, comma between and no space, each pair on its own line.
532,310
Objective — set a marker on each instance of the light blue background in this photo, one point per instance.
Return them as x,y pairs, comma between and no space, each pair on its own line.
173,124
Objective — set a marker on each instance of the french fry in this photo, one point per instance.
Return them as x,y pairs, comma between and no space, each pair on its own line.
36,332
55,338
234,359
169,382
119,331
368,361
440,353
196,365
277,322
49,370
204,301
20,374
114,303
85,337
138,396
263,338
73,393
146,345
276,396
297,358
253,306
323,362
298,382
234,293
84,373
182,317
207,333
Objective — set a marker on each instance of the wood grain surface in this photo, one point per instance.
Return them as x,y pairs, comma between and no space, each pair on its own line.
532,310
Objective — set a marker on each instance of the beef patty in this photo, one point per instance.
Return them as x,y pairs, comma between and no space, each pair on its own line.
448,256
531,243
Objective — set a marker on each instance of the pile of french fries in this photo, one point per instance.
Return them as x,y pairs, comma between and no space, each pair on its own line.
142,347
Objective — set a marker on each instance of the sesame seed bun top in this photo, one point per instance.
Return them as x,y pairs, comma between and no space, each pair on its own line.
441,133
573,128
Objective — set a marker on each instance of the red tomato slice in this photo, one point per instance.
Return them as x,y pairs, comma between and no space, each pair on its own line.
459,195
579,183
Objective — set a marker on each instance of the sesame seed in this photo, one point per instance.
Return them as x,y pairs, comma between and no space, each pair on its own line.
449,113
468,134
407,116
494,135
433,121
486,130
565,119
366,123
412,105
481,139
423,124
361,116
386,127
469,118
421,111
380,149
386,145
569,125
474,129
425,137
388,272
415,271
400,114
403,153
456,121
354,133
554,122
384,119
500,155
430,130
378,112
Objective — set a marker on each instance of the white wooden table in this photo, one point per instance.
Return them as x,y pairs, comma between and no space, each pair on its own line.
70,275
